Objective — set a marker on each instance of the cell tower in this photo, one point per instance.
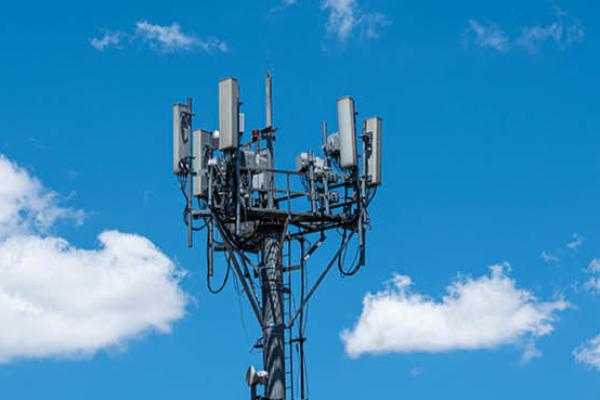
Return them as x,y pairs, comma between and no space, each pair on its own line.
267,222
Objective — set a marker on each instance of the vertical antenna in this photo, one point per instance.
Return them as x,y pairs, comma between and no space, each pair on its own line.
190,168
269,128
268,101
324,133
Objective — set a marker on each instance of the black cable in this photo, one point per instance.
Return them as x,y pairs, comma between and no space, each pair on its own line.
356,264
371,195
239,293
186,210
220,289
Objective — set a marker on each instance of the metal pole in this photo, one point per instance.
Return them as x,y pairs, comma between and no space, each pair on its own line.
190,199
301,322
290,373
209,248
320,279
270,133
273,321
238,269
268,101
363,192
325,173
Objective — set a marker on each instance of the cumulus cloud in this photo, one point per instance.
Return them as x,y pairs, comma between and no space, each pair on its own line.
58,300
26,205
161,38
576,242
593,283
281,6
346,17
370,24
564,32
549,257
109,39
170,38
589,353
167,38
487,35
481,313
594,265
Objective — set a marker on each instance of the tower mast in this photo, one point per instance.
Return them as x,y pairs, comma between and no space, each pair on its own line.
250,215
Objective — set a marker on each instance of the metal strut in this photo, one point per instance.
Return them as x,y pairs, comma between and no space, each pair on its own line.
321,277
238,270
272,315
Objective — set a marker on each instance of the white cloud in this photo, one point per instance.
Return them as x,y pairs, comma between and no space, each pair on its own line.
576,242
487,35
166,38
346,16
281,6
564,32
593,283
594,265
370,24
25,204
212,43
170,38
57,300
530,351
589,353
161,38
481,313
107,40
549,257
341,19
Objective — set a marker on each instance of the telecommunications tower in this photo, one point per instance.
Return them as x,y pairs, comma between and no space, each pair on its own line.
267,222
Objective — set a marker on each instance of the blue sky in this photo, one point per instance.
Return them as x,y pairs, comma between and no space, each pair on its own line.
490,158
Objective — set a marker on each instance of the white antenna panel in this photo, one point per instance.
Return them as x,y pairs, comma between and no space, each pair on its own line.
242,123
374,129
200,164
181,137
229,97
347,128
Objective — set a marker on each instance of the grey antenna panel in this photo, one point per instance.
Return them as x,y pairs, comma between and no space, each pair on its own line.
347,128
229,95
373,127
182,132
200,164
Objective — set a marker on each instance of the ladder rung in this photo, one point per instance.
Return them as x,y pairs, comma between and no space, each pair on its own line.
292,268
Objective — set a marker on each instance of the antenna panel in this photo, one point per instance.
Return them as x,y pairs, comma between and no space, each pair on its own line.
200,163
347,128
374,129
228,114
182,126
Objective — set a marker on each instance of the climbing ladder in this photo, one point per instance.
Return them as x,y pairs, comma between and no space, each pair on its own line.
289,337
